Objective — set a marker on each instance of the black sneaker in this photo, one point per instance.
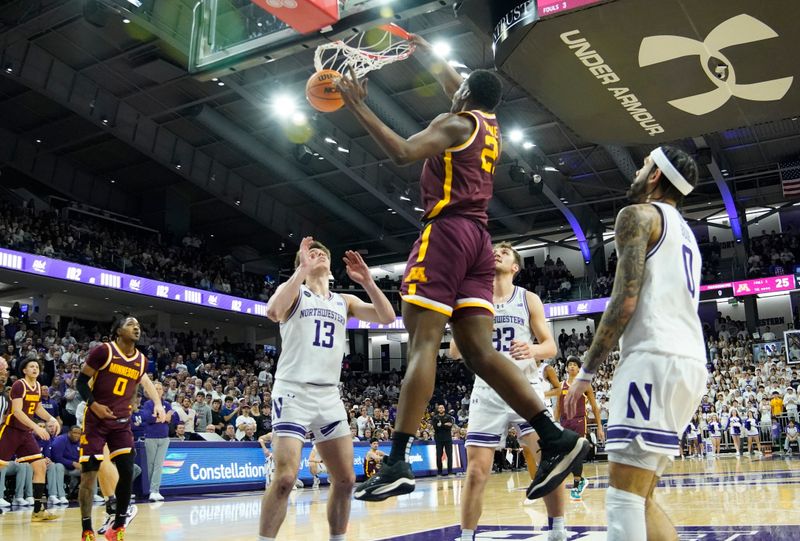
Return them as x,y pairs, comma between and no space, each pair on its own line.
558,460
391,480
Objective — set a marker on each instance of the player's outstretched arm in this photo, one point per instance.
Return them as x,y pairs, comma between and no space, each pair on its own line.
152,394
283,300
637,227
444,73
380,309
446,130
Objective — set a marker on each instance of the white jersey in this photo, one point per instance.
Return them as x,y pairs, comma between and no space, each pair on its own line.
313,340
666,320
512,322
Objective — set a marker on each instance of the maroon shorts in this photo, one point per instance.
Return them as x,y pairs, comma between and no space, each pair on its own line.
578,424
97,433
19,443
451,268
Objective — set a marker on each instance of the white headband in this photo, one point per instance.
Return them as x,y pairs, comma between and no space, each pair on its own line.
672,174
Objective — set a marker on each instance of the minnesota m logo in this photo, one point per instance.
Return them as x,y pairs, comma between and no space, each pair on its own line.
417,274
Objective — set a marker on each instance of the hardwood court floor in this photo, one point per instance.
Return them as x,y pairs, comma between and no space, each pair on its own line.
722,494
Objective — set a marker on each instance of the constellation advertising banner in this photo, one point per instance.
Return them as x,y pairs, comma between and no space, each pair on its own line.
193,467
637,72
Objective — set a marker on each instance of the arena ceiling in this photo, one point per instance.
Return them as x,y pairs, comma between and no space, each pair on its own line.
106,112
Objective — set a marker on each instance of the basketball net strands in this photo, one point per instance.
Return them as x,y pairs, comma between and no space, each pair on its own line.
365,51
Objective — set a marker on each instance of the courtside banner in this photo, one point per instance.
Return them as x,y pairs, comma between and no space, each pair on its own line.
199,467
647,71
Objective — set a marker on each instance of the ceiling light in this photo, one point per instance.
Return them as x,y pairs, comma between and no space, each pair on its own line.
75,304
419,209
284,105
299,118
259,24
126,21
404,198
527,145
516,136
320,158
342,149
548,168
211,235
113,181
330,140
38,141
238,202
178,166
389,209
215,79
220,83
441,49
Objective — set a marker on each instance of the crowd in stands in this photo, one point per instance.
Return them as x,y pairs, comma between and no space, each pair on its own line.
110,246
552,281
773,254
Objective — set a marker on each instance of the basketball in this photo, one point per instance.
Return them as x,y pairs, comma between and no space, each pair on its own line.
322,93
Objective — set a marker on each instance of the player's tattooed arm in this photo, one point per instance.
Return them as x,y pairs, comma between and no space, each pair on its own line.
636,227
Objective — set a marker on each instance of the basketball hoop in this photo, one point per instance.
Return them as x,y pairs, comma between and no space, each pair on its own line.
366,51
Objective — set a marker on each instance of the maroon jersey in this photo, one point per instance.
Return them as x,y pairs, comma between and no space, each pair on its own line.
117,377
461,180
580,411
31,397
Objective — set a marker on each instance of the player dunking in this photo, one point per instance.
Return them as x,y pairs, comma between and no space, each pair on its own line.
449,273
519,317
578,421
661,375
16,435
306,396
107,383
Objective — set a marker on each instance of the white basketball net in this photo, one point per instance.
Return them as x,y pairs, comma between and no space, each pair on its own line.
365,52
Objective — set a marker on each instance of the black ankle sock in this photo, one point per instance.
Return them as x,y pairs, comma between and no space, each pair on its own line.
111,505
86,524
543,424
401,442
38,497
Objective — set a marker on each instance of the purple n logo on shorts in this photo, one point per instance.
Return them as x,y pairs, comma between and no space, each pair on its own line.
636,395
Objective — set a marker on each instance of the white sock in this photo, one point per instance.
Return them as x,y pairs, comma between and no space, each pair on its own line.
262,538
338,537
625,515
467,535
556,523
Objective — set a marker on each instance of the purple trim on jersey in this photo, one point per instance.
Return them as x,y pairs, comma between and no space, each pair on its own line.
327,430
655,248
289,428
525,429
525,304
625,434
655,430
482,437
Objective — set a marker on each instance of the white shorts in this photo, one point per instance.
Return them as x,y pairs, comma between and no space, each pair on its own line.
299,408
652,401
489,417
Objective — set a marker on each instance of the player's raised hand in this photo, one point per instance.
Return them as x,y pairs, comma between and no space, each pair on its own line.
102,411
305,256
520,350
420,43
353,90
576,391
357,269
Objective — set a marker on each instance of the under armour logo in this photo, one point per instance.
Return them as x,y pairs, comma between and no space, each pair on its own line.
288,4
735,31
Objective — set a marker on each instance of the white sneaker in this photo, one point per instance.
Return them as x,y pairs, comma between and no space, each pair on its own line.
30,500
4,503
97,498
63,500
21,502
156,497
560,535
315,484
52,500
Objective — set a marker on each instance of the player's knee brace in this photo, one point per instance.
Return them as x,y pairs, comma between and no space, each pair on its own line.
124,465
626,515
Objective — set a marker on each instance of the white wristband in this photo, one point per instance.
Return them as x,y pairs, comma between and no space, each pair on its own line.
583,375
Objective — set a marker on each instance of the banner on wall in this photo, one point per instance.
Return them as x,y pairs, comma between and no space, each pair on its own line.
199,466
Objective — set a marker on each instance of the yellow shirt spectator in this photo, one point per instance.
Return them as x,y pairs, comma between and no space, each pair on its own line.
777,405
